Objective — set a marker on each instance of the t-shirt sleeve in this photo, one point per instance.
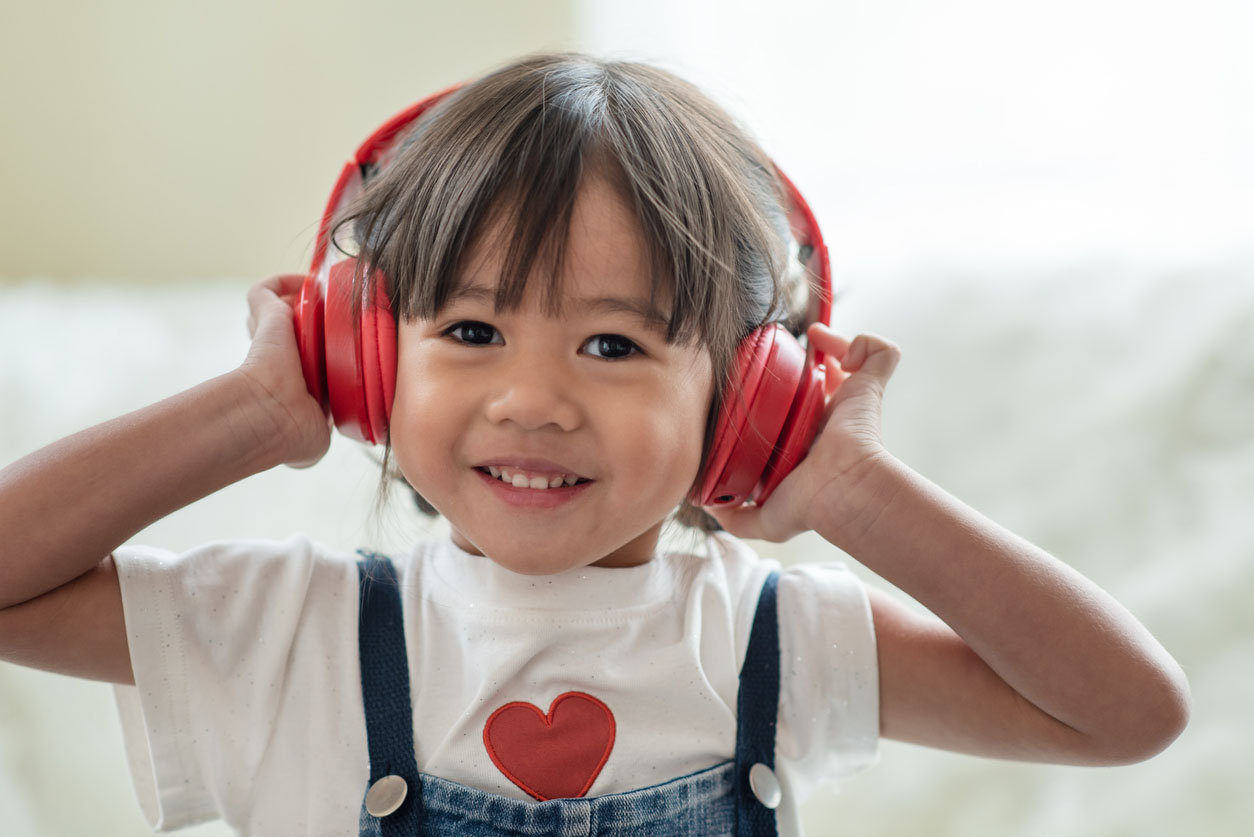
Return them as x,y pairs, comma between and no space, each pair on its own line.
212,634
829,676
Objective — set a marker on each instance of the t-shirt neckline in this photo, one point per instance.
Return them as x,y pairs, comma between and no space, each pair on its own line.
478,580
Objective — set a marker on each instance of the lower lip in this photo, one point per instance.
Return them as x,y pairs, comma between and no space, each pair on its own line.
532,498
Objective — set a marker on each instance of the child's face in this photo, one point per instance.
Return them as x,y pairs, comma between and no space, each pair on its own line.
478,389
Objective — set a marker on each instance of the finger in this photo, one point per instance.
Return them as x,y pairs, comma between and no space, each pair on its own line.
288,288
283,287
283,283
823,338
833,377
872,355
280,284
289,283
258,295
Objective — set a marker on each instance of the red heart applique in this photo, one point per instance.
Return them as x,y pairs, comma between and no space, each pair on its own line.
554,756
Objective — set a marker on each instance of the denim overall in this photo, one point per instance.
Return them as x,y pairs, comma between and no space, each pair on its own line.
716,801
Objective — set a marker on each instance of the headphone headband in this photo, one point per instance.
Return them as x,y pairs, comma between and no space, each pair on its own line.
379,149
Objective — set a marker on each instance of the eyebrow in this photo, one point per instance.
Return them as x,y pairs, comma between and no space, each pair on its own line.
649,316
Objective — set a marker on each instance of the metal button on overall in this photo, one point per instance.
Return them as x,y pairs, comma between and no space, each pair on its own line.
765,786
386,795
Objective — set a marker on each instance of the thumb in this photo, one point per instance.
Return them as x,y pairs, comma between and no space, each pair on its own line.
872,355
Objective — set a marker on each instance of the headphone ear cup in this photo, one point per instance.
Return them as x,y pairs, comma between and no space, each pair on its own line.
378,358
770,366
309,314
359,359
797,433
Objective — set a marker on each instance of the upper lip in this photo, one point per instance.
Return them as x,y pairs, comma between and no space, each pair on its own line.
535,464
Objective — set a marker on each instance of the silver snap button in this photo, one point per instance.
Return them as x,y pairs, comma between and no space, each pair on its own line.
386,795
765,786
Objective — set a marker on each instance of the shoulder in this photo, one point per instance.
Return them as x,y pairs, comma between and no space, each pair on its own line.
243,569
823,609
826,582
214,601
829,582
242,560
295,547
720,560
728,555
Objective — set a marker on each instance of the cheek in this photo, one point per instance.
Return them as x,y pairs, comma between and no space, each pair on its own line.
701,392
665,434
424,414
695,392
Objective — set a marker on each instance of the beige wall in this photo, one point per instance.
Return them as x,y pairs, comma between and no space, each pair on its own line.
166,140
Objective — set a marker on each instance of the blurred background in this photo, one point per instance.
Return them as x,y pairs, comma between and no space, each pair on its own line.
1050,206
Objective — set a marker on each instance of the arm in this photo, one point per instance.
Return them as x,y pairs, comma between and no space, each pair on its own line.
1029,659
1033,661
66,507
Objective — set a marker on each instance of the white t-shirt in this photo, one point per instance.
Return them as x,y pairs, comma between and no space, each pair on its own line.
247,700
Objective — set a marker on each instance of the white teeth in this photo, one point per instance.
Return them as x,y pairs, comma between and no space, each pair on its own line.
521,480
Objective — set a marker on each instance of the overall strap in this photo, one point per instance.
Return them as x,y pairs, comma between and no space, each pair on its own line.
757,707
385,692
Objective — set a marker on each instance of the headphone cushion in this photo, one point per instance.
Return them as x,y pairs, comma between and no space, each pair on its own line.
343,356
797,433
308,316
750,361
378,359
759,397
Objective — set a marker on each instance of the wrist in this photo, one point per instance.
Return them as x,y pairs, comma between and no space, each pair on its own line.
850,505
257,423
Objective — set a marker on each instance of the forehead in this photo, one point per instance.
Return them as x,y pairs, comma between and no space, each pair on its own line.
606,258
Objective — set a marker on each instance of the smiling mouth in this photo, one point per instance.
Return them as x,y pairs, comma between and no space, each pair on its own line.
519,478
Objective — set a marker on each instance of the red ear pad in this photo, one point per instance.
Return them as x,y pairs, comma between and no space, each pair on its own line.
769,369
351,372
310,341
378,359
797,434
343,353
731,419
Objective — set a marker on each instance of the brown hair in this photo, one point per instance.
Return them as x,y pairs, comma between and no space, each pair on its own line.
515,145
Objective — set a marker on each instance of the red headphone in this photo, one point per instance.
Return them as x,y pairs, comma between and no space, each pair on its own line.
772,406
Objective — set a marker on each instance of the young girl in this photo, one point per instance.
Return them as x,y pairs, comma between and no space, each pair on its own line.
572,252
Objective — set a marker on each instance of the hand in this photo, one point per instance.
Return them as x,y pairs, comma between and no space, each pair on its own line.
273,368
848,440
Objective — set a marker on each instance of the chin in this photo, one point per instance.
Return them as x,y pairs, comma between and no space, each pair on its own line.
548,559
531,563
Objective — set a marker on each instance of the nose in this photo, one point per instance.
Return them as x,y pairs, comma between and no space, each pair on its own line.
534,392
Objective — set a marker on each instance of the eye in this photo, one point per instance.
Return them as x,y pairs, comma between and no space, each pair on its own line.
474,333
611,347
